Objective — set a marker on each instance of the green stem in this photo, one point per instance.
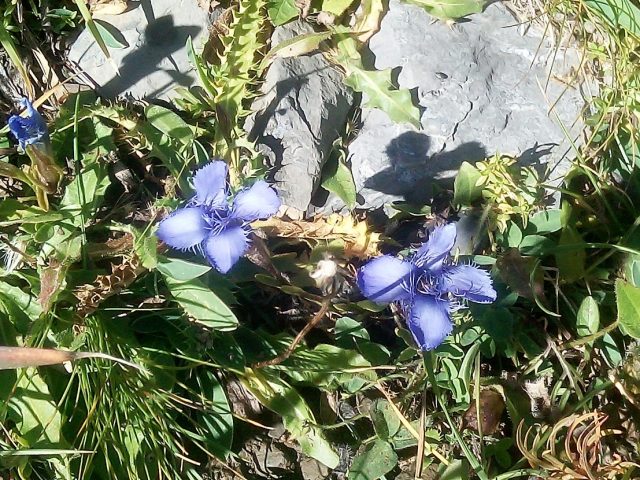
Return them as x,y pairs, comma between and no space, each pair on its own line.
429,364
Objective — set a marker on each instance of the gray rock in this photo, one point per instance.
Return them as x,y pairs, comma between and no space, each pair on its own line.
303,108
155,60
483,87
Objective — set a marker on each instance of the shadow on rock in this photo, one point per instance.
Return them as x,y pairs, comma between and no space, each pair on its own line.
412,168
160,40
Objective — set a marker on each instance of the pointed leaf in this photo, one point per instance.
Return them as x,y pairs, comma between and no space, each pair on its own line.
376,461
628,302
338,179
381,93
275,394
588,321
450,9
465,188
200,303
281,11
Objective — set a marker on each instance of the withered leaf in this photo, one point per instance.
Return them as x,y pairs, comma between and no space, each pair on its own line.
51,283
491,409
357,239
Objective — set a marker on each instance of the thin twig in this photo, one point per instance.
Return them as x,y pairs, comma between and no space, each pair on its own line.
326,303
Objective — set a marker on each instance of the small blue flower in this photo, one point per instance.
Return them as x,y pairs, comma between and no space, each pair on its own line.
428,286
217,227
29,130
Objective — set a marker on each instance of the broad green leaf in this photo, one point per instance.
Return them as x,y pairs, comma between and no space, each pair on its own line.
628,302
610,351
619,13
513,235
379,92
26,303
456,470
281,11
327,358
450,9
85,192
385,420
571,262
347,329
200,303
337,7
111,35
376,461
145,246
588,319
277,395
535,245
300,45
216,417
39,421
337,178
169,123
547,221
181,270
465,188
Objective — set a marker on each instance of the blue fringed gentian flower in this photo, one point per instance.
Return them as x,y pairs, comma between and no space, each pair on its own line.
428,286
212,223
31,129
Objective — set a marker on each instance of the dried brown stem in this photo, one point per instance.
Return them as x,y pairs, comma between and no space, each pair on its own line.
326,303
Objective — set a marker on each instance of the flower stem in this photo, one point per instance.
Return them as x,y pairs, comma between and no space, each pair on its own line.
429,364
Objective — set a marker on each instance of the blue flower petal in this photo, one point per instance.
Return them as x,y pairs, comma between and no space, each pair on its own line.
184,228
31,129
429,321
468,282
210,183
385,279
225,248
433,252
260,201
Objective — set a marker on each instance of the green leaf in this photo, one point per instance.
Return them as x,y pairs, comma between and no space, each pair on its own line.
279,396
571,262
169,123
281,11
337,178
547,221
385,420
300,45
39,421
588,320
200,303
513,235
26,303
619,13
216,418
456,470
337,7
376,461
465,188
111,35
610,351
84,194
628,302
536,245
181,270
450,9
145,246
379,92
